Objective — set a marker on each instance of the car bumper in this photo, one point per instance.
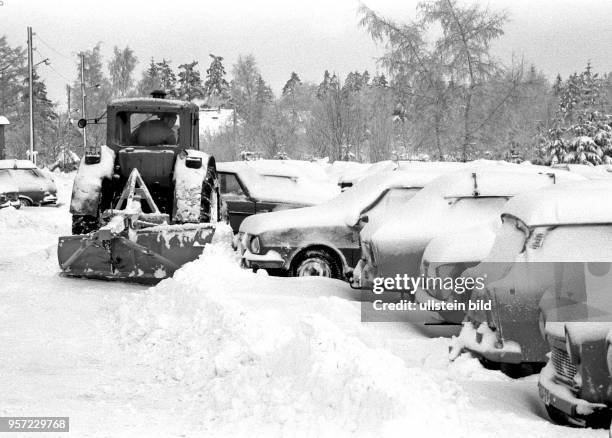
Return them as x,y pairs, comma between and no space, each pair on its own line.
484,342
270,260
49,199
558,395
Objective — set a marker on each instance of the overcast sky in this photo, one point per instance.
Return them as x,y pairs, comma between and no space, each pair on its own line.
303,36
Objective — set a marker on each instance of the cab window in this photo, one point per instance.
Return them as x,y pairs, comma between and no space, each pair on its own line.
147,129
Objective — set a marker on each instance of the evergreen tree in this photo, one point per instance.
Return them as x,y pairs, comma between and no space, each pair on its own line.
582,132
216,87
167,78
189,82
150,79
290,86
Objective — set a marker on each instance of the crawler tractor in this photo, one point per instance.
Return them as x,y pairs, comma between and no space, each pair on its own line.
146,202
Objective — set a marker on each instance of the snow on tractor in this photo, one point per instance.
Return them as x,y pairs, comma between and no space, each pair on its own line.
145,203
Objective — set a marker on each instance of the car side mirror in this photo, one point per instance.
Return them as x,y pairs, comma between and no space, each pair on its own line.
193,162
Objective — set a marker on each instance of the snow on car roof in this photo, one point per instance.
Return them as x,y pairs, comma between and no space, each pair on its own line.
17,164
297,188
426,214
494,181
343,209
584,202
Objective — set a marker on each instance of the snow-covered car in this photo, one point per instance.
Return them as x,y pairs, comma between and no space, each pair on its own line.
33,186
352,178
536,263
323,240
249,189
575,385
454,202
449,255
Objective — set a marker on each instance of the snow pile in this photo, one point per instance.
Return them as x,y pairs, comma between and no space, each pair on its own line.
252,364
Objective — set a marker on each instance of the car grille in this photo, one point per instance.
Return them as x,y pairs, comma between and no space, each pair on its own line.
563,365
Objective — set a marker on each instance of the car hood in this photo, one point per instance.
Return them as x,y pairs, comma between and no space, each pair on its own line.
307,217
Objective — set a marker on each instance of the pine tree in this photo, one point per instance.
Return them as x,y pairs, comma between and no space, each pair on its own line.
167,78
189,82
581,132
291,84
216,87
150,79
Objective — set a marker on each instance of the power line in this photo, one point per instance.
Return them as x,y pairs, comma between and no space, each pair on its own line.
70,58
51,66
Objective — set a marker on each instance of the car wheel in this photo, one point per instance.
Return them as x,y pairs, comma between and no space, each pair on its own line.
26,202
316,263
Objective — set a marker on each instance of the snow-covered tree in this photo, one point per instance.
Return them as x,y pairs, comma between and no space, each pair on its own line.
189,82
216,87
581,132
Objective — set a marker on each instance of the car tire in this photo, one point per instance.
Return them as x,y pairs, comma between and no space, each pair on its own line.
25,202
318,263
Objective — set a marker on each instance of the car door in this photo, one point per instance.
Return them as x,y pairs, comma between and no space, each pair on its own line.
239,203
29,184
388,204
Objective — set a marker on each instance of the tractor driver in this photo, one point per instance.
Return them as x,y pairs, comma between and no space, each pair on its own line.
155,132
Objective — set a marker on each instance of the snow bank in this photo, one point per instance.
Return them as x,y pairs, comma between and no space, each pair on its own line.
256,358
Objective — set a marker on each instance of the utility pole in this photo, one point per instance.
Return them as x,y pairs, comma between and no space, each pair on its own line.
69,125
83,114
31,91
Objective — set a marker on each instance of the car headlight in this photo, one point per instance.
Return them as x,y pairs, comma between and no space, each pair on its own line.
255,246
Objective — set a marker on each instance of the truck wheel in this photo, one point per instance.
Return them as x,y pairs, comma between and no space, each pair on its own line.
316,263
210,206
84,224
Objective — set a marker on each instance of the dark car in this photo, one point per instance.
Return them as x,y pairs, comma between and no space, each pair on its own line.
323,240
33,187
247,190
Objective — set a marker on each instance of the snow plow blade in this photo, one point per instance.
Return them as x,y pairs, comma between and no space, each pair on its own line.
145,256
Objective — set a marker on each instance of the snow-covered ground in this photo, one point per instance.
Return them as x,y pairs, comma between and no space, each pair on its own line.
220,351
